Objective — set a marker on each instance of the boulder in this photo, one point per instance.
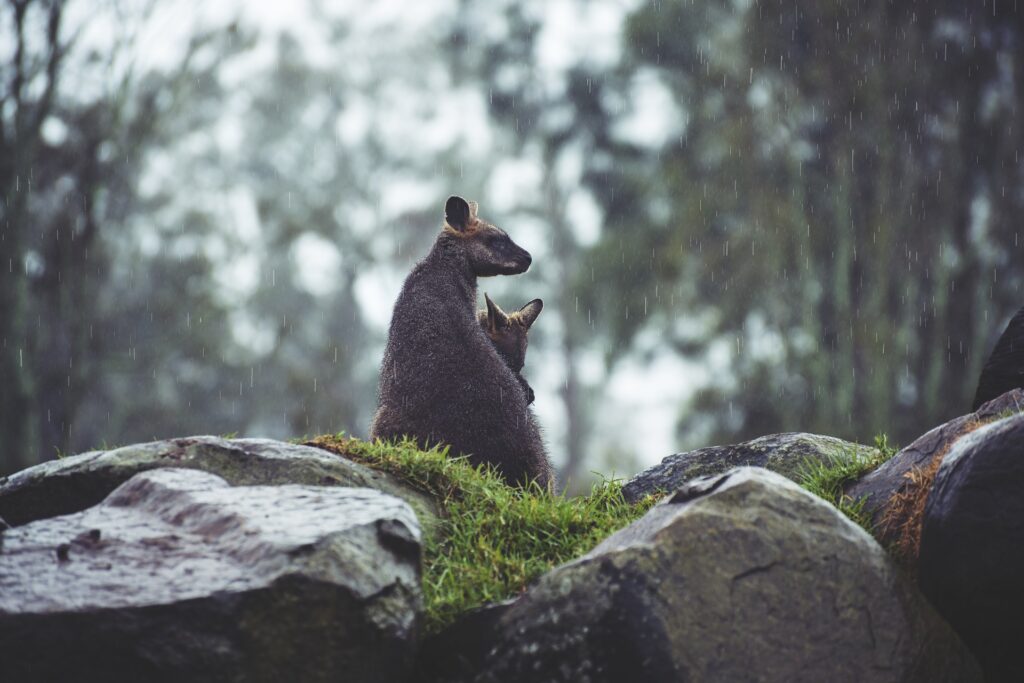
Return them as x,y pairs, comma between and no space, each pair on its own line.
895,493
781,453
74,483
971,564
177,576
738,577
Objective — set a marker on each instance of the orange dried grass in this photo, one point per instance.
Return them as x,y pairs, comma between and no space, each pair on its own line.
903,518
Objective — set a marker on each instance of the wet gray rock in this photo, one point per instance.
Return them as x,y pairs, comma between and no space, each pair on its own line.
971,562
74,483
782,453
177,576
740,577
888,488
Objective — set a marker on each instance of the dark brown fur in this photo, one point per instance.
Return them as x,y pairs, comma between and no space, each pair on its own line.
442,381
1004,369
508,332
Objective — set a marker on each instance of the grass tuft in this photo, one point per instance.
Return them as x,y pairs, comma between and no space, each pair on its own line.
1005,413
828,478
494,539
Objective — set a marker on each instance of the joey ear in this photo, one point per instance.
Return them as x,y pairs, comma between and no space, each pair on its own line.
473,209
496,318
530,311
456,212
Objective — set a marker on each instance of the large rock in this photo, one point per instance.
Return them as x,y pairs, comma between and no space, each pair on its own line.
783,453
895,493
177,576
971,564
71,484
739,577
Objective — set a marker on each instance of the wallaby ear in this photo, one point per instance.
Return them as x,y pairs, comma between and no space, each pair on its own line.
496,318
456,212
473,209
530,311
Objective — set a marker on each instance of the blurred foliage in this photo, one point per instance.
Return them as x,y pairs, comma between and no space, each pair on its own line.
120,319
827,224
839,200
81,306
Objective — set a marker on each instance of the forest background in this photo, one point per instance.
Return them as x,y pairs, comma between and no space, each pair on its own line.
746,216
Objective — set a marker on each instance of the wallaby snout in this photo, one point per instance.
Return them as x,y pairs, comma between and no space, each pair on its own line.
492,252
524,261
516,261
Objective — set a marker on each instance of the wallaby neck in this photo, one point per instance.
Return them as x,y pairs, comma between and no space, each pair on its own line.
448,265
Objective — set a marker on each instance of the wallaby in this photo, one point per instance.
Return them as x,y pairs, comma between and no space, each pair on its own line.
1004,369
508,333
441,380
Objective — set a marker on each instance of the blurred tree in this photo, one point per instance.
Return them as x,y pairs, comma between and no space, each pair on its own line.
164,364
27,85
838,203
321,204
185,241
74,135
300,176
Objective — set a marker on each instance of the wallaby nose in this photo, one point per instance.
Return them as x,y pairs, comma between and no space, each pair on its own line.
527,260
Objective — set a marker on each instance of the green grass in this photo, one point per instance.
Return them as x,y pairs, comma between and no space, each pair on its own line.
828,478
1008,412
494,539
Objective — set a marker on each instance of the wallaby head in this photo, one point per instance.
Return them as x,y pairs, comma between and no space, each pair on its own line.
488,249
508,331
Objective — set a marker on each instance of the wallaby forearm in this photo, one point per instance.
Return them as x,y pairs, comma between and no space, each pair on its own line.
527,389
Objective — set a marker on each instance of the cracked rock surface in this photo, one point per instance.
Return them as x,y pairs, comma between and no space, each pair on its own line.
738,577
178,576
72,484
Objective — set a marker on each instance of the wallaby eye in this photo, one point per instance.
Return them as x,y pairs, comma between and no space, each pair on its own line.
492,240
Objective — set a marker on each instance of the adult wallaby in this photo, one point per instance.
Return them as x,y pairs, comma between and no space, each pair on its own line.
1004,369
442,381
508,332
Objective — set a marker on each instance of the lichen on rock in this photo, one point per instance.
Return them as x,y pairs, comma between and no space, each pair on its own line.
782,453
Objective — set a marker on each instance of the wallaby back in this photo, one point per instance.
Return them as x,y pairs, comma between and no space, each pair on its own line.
442,381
